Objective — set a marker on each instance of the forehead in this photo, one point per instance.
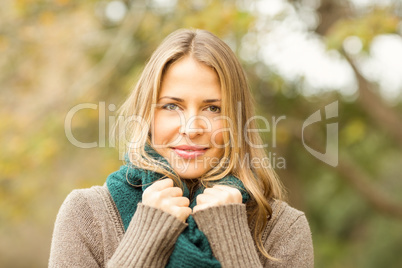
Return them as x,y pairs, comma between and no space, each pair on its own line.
188,76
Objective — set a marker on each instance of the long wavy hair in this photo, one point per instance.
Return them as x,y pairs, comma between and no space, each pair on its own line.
259,179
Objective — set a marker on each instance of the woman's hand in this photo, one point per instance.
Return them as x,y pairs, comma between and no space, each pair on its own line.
217,195
164,196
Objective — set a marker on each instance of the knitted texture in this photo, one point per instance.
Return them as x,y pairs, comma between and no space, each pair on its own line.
192,248
88,232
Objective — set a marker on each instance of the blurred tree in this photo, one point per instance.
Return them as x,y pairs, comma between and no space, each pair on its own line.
345,228
58,54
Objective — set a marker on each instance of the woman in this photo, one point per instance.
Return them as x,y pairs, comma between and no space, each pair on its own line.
195,191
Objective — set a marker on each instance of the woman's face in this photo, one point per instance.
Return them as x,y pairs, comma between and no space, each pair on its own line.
187,128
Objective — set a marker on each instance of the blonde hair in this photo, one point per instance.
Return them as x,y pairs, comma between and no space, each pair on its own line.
259,179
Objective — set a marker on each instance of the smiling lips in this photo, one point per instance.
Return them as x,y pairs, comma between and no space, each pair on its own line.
189,152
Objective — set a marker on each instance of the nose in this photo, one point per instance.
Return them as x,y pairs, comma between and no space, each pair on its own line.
194,125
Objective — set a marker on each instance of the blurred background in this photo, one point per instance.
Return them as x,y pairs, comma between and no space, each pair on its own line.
300,55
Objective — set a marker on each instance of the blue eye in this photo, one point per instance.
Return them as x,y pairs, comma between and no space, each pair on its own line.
170,107
214,109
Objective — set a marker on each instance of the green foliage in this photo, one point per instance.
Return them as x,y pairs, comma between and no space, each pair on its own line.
56,54
366,27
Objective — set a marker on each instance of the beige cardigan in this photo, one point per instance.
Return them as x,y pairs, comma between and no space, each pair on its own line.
89,233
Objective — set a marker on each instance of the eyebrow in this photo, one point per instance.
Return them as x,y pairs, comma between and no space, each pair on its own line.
181,100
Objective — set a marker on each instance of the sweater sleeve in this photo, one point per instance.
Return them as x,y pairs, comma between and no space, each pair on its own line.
149,240
231,241
293,247
76,238
229,235
78,242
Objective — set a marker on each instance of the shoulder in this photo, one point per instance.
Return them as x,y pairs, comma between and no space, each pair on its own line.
86,223
284,216
80,204
96,192
90,204
284,219
83,198
287,236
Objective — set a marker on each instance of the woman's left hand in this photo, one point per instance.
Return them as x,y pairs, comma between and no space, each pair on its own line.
217,195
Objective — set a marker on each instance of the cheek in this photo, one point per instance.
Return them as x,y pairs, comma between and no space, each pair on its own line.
219,130
164,127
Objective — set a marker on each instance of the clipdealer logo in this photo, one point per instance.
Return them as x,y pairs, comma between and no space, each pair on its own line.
330,156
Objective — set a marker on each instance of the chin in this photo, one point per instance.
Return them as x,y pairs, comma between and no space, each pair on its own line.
190,173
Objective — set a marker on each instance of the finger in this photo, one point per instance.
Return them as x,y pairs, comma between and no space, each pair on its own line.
182,213
171,192
201,199
219,190
224,188
229,189
201,207
180,201
162,184
230,193
206,199
211,191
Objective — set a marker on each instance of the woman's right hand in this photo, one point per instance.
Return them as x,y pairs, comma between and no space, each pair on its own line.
164,196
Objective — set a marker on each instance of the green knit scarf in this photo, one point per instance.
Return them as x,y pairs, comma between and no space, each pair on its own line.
192,248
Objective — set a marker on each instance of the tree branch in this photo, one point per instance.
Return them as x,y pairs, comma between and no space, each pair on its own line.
382,114
115,52
355,177
359,180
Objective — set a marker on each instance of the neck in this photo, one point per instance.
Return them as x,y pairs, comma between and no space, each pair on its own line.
192,185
